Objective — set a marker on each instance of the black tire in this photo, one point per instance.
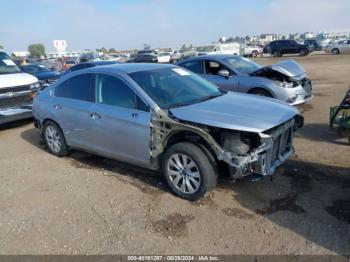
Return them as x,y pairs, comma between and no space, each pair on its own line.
335,51
255,53
63,148
260,92
206,170
303,52
276,53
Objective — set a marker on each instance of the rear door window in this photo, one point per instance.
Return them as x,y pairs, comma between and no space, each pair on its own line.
80,87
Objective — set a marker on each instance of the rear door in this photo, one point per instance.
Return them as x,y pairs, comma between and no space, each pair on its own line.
72,105
121,121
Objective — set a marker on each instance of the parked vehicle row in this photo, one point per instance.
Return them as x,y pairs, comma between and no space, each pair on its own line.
178,122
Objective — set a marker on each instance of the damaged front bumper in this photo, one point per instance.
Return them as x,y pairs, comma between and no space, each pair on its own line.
276,147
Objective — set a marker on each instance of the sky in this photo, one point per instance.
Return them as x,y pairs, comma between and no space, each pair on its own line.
127,24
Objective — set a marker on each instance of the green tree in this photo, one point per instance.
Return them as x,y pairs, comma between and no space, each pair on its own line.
1,47
36,50
112,50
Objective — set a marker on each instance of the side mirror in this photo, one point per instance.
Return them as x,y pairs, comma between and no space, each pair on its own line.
225,73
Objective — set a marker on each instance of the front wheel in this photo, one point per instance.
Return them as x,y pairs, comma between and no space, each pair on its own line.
335,51
188,171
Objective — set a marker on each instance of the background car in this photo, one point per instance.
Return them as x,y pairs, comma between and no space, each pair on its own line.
44,74
164,57
285,80
282,47
339,47
69,63
313,44
87,65
144,58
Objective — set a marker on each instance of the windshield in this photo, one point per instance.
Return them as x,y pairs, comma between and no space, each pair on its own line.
7,66
35,69
172,87
243,65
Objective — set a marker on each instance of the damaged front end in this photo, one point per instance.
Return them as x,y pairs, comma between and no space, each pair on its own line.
245,153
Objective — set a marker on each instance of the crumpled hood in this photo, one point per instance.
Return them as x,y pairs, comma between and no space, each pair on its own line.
18,79
287,67
237,112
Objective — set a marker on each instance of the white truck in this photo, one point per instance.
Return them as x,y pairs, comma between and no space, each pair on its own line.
17,90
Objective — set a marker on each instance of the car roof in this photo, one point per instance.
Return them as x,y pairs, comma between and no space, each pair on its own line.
201,57
128,67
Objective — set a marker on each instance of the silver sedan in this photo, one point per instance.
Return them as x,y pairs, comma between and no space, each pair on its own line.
165,117
285,80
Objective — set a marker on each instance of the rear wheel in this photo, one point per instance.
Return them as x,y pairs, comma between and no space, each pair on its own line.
335,51
260,92
255,53
188,171
276,53
54,139
303,52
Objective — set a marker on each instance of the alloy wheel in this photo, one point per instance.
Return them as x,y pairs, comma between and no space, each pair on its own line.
53,138
184,173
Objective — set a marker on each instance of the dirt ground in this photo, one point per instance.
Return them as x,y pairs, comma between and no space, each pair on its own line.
84,204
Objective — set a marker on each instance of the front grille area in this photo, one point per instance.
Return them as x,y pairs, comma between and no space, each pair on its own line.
14,89
281,144
15,101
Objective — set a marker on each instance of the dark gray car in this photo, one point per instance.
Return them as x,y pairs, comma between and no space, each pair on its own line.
285,80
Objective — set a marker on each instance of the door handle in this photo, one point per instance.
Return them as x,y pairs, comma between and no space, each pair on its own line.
134,114
57,106
95,116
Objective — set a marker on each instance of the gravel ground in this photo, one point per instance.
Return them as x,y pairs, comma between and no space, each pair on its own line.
84,204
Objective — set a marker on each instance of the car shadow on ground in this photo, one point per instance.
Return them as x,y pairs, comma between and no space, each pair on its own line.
321,133
15,124
310,199
80,159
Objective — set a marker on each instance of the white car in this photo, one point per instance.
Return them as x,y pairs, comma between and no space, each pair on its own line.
251,50
164,57
17,90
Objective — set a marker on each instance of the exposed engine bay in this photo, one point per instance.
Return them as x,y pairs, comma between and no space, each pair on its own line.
245,153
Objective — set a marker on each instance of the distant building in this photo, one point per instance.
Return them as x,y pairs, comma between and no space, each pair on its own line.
307,35
266,38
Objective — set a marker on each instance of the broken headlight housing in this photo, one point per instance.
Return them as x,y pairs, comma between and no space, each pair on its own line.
284,84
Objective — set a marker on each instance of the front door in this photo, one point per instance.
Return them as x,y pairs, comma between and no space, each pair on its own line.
211,73
121,121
